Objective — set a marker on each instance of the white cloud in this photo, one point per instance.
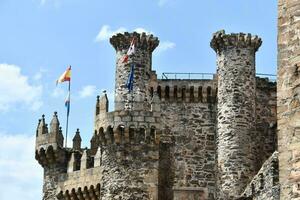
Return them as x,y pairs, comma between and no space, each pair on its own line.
106,32
38,76
56,3
87,91
15,89
161,3
142,30
21,176
58,92
163,46
43,2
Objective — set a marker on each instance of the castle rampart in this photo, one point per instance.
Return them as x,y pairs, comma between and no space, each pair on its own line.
142,60
160,141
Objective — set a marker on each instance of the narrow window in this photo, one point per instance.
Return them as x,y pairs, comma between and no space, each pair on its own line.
200,95
192,94
159,91
208,94
167,96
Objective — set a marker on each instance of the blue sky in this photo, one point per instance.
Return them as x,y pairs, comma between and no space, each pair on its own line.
40,38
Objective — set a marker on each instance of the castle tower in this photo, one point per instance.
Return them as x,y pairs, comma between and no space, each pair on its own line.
50,154
288,98
129,136
236,110
142,60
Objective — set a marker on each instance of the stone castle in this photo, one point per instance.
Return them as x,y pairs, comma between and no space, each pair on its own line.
232,137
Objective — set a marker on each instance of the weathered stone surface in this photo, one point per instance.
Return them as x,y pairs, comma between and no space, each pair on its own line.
163,143
236,111
265,184
288,92
138,99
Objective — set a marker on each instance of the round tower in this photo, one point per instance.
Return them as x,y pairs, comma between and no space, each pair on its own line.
236,110
129,136
141,60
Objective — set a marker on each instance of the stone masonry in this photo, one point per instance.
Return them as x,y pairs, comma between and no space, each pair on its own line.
288,86
236,111
171,139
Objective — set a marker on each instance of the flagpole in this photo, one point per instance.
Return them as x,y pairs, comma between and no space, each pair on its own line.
131,92
68,111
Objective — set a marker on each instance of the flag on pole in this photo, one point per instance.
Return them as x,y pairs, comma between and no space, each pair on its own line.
130,51
67,103
129,83
66,76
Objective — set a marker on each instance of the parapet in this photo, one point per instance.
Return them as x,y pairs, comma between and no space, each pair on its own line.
92,192
127,135
44,138
142,41
49,146
185,91
265,83
221,41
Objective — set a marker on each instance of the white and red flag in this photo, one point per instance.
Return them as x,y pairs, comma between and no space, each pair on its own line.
130,51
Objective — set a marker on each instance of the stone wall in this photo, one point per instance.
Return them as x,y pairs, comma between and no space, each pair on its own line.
142,61
130,172
191,119
266,121
52,178
288,94
163,145
265,184
236,111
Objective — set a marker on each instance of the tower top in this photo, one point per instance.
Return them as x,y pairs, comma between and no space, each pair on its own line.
221,41
143,41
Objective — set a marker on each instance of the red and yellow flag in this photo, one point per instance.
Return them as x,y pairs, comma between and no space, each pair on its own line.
66,76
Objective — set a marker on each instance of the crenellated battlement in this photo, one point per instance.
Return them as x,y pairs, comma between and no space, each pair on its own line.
49,145
44,138
169,138
221,41
142,41
185,91
265,83
122,135
91,192
50,156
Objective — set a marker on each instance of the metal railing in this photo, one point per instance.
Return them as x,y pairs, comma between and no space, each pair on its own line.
205,76
172,75
271,77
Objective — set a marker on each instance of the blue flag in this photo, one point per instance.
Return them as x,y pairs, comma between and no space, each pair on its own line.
129,83
67,103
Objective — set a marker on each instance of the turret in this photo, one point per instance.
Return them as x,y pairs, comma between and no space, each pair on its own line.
44,138
94,143
97,106
236,110
77,141
50,154
42,127
142,61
